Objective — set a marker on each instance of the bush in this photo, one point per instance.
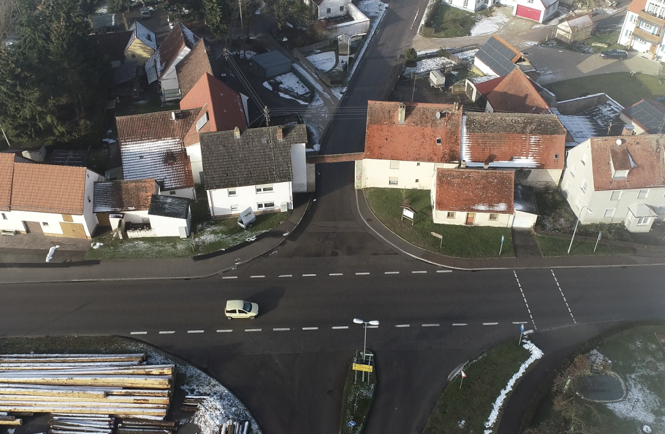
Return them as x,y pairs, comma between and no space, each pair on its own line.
411,55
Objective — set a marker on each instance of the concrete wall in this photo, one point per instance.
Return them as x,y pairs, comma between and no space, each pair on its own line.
168,226
410,174
188,193
299,168
223,205
481,219
359,25
334,6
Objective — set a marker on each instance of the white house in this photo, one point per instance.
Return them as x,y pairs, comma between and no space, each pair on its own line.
642,28
170,216
536,10
117,203
618,179
47,199
329,8
259,168
406,142
162,64
152,147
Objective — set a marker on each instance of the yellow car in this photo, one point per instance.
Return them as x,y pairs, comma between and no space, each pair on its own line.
241,309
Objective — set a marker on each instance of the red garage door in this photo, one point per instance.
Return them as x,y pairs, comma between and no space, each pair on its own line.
530,13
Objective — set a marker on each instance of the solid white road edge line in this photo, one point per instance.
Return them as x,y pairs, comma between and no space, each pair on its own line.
194,331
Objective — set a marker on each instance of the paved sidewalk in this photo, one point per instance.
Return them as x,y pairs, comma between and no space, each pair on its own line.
368,220
154,269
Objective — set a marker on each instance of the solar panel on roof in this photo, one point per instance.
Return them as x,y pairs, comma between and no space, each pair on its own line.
648,115
497,57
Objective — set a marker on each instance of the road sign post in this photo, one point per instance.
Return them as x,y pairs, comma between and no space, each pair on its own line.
521,334
501,248
597,239
440,237
409,214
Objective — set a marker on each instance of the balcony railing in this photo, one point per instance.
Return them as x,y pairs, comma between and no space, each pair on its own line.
642,34
652,19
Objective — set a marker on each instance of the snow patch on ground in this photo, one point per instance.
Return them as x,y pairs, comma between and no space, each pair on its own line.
323,61
489,25
641,404
536,354
426,65
292,83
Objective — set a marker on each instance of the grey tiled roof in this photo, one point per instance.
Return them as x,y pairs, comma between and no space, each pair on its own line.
496,55
257,157
169,206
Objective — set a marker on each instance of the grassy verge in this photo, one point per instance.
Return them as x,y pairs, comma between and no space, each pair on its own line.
209,237
459,241
637,356
554,246
621,86
609,39
356,402
449,22
465,409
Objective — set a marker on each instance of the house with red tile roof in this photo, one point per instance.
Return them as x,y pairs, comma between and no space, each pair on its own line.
162,64
531,145
618,179
49,199
220,109
406,142
515,94
152,146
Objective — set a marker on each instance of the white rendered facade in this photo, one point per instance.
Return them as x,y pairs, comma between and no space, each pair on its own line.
224,202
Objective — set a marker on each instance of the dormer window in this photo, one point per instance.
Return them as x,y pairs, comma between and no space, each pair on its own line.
438,140
621,162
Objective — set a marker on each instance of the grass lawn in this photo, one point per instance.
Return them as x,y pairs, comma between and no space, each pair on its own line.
610,39
460,241
357,401
621,86
466,409
554,246
637,356
449,22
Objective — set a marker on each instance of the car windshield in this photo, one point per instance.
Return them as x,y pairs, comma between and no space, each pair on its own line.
247,307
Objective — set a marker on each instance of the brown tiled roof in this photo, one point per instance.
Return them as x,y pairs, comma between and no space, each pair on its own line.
514,140
470,190
126,195
516,94
47,188
637,5
225,109
194,66
6,174
179,37
644,153
152,146
485,87
416,139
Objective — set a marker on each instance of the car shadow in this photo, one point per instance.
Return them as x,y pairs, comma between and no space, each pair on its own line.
268,299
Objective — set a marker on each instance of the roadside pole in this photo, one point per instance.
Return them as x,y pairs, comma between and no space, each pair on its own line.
521,334
501,248
597,239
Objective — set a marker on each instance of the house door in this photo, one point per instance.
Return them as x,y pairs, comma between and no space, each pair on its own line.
73,230
470,218
33,228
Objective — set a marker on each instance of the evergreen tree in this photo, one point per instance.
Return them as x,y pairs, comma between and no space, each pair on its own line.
215,17
115,6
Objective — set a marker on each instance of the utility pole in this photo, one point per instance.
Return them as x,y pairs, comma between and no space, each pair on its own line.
266,114
5,135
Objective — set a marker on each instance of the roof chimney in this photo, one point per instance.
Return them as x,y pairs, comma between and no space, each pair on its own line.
463,164
486,165
628,130
401,114
280,133
236,132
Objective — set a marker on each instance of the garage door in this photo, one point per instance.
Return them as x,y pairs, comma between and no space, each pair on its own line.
72,230
530,13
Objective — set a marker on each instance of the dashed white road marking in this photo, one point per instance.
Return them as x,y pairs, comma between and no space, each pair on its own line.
138,333
391,272
525,302
166,332
419,272
310,328
340,327
363,273
490,323
195,331
229,277
444,271
430,325
285,275
519,322
372,327
257,276
281,329
336,274
252,330
309,275
224,331
460,324
564,297
402,325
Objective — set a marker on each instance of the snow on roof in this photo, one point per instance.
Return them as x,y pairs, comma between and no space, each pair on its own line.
190,37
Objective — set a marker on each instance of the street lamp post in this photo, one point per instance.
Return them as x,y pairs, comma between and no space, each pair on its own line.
365,323
577,223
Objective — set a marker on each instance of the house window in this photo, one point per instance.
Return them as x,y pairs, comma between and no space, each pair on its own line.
438,140
341,8
616,195
628,32
4,216
417,180
494,217
392,180
641,221
45,224
202,121
584,186
642,194
609,212
234,207
394,164
233,192
172,192
556,156
264,189
265,205
417,164
149,36
328,10
572,174
450,215
133,56
466,3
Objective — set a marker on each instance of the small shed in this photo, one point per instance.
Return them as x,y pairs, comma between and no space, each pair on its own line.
437,79
271,64
577,29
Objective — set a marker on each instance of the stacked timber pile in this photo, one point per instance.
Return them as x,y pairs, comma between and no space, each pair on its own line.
138,426
77,424
95,387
